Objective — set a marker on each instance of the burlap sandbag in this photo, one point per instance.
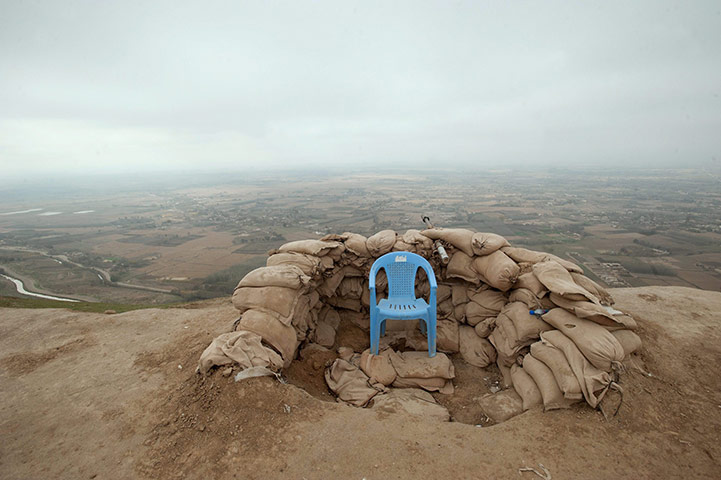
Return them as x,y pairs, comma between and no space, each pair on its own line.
354,304
243,347
597,290
526,388
356,244
628,340
350,287
591,379
498,269
483,329
476,314
554,359
501,406
415,237
490,299
381,243
459,294
530,282
506,348
309,264
288,276
331,284
487,243
325,330
446,336
458,237
411,401
349,383
459,313
557,280
526,297
460,266
475,350
316,248
523,255
401,246
278,301
417,369
596,343
279,336
593,312
526,327
506,379
552,395
377,367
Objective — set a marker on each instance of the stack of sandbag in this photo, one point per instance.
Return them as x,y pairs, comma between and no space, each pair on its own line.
357,379
311,288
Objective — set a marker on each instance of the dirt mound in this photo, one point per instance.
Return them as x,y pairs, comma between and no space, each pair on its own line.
120,399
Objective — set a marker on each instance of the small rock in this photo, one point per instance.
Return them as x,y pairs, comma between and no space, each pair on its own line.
201,428
494,388
180,367
227,372
109,312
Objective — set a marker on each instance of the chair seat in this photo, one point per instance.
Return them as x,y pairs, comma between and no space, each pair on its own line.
403,308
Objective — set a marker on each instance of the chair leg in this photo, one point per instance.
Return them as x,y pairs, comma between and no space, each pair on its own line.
383,328
422,324
432,334
375,340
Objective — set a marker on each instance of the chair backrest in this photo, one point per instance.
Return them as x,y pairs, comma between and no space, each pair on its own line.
401,268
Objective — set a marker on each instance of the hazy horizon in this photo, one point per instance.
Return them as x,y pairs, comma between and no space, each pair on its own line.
114,87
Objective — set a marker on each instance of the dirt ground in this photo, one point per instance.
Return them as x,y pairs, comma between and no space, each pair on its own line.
117,396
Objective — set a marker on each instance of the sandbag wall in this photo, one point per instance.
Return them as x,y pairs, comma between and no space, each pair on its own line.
484,296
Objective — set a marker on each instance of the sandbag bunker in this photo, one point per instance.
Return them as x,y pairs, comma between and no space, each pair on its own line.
571,353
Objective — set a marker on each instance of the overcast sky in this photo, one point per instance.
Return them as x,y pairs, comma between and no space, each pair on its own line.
135,85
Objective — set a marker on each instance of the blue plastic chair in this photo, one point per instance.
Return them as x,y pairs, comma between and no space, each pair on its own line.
402,304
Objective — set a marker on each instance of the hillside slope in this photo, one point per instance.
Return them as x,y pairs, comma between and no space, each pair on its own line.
116,396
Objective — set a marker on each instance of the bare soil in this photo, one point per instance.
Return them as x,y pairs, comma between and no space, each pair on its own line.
117,396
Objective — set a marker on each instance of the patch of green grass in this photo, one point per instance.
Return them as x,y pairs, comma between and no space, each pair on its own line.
15,302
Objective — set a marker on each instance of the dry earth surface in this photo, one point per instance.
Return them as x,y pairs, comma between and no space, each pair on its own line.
117,396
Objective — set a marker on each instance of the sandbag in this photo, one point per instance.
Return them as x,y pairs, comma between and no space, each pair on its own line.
280,336
280,302
506,379
596,343
628,340
350,287
525,387
501,406
288,276
498,269
487,243
552,395
530,281
476,314
475,350
591,379
527,327
415,237
490,299
523,255
411,401
243,347
460,266
377,367
554,359
417,369
483,329
526,297
325,330
356,244
459,293
349,383
458,237
593,312
309,264
447,336
597,290
381,243
317,248
557,279
331,284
